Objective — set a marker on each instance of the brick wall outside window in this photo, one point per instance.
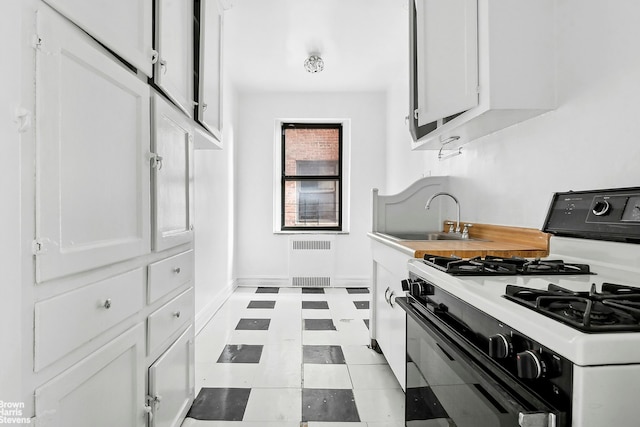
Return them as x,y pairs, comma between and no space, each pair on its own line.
318,150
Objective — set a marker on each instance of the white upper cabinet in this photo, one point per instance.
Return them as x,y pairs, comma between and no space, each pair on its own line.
92,142
172,175
447,63
173,71
124,26
209,73
450,102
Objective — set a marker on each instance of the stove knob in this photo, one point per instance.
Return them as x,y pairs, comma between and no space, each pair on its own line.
500,346
530,365
601,208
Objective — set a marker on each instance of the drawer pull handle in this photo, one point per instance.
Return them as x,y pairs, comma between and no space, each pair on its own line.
107,303
176,314
177,270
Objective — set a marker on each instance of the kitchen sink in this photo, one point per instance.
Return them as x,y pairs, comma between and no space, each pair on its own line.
424,235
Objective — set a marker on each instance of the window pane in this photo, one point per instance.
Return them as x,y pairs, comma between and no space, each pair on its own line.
311,203
311,151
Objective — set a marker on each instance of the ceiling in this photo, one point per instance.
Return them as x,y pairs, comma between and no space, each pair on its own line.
363,44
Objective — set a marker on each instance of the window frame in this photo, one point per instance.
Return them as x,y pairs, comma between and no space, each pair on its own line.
284,178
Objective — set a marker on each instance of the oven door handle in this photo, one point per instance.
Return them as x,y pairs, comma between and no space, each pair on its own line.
490,376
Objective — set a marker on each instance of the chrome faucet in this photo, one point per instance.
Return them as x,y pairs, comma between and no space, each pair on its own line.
457,207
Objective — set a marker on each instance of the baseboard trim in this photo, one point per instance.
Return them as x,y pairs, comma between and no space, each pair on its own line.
209,310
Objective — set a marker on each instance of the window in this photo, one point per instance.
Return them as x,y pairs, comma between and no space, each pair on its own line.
311,183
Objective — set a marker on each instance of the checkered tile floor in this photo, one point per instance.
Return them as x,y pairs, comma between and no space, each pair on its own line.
291,357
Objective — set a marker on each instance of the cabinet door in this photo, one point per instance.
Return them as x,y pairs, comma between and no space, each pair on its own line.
124,26
172,176
174,42
172,382
92,138
390,322
104,390
210,85
447,57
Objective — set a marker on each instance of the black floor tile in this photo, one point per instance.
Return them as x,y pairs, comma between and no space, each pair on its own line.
429,407
358,290
319,325
366,322
267,290
315,305
261,304
322,354
312,290
222,404
253,324
336,405
240,353
361,305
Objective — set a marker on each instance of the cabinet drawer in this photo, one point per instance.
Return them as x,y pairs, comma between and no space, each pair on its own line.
169,274
63,323
169,319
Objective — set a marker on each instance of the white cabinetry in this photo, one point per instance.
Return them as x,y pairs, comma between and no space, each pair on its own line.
174,42
124,26
210,67
447,63
171,382
92,140
388,323
172,176
105,389
84,313
515,68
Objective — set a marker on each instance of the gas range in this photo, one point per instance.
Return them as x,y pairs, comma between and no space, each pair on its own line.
565,328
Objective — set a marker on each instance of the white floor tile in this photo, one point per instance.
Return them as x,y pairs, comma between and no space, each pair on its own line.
326,376
385,405
199,423
333,424
373,377
280,366
274,404
320,338
235,375
362,355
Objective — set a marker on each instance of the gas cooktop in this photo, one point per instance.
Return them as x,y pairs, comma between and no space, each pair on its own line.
493,266
615,308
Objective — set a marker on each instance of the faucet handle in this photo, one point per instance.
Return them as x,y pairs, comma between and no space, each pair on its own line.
450,224
465,231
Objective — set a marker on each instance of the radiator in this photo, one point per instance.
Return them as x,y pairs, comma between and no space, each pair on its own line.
311,261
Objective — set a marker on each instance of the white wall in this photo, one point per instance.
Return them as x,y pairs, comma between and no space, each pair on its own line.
215,221
10,302
260,253
590,141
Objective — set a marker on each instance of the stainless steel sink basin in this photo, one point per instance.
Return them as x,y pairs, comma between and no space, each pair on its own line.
424,235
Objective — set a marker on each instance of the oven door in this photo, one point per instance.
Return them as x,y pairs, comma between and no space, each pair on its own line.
450,383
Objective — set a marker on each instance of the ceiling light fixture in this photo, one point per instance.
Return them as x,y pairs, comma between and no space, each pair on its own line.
314,64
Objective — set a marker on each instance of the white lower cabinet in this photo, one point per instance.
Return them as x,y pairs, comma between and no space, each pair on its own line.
388,323
105,389
172,383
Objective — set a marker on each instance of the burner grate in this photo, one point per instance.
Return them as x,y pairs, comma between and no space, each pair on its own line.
615,308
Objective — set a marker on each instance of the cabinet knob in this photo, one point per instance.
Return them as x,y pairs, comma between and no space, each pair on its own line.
177,270
176,314
107,303
204,106
163,66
